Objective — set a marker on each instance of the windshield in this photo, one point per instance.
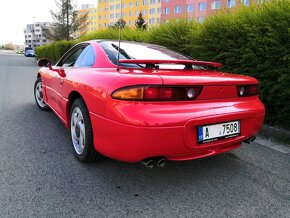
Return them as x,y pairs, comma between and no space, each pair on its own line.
133,50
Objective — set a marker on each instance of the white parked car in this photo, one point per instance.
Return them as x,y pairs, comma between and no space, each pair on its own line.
30,53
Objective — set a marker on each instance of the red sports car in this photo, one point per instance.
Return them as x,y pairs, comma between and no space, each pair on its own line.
142,102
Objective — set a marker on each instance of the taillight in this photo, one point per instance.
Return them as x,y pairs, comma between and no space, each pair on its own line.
157,93
247,90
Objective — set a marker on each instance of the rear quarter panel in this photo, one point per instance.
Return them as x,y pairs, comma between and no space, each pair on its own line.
92,84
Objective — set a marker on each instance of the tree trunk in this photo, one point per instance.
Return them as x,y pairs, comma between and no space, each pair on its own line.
67,19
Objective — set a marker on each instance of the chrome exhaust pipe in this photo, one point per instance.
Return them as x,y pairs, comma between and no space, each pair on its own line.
161,163
148,163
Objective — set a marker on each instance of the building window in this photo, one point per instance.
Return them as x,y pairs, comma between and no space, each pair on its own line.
152,2
216,4
124,5
112,7
200,19
118,15
202,6
111,16
231,3
189,8
118,6
145,2
158,10
178,9
166,0
152,11
130,23
158,20
245,2
144,12
151,21
131,4
166,10
137,3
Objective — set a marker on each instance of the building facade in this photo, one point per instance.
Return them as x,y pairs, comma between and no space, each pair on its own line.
108,12
91,22
35,35
189,9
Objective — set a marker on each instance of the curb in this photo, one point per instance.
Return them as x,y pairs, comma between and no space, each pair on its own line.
276,134
274,145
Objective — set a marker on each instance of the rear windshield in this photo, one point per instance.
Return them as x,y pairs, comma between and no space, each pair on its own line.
132,50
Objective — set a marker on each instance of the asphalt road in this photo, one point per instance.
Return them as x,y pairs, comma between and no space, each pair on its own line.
40,177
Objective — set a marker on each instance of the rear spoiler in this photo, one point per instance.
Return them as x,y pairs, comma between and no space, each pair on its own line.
182,62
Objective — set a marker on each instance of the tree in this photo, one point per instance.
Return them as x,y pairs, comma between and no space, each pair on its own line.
140,23
119,24
66,21
8,46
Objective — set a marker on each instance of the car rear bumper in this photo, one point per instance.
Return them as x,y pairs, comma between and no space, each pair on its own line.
134,143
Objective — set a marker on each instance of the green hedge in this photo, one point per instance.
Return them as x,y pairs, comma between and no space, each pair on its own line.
253,41
55,50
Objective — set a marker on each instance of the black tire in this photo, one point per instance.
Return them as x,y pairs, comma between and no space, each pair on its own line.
83,148
38,95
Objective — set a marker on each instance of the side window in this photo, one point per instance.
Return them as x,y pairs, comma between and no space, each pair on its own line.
71,59
87,57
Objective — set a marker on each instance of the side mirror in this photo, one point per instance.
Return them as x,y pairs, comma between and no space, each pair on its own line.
44,62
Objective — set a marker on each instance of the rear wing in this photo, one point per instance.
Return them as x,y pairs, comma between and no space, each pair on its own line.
151,63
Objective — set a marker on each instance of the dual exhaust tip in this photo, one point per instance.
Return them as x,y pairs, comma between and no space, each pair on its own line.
150,163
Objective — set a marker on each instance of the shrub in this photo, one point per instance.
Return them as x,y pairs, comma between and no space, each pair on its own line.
55,50
175,34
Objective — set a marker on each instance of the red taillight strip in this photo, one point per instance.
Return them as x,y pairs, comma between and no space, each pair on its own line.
158,93
247,90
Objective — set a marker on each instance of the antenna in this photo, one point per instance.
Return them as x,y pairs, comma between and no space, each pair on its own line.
119,41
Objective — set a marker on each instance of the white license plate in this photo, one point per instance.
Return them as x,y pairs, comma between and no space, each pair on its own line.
218,131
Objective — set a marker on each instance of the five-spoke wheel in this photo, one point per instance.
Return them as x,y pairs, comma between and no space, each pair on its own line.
81,132
38,94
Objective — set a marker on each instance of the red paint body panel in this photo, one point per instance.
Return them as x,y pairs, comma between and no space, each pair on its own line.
153,129
135,130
